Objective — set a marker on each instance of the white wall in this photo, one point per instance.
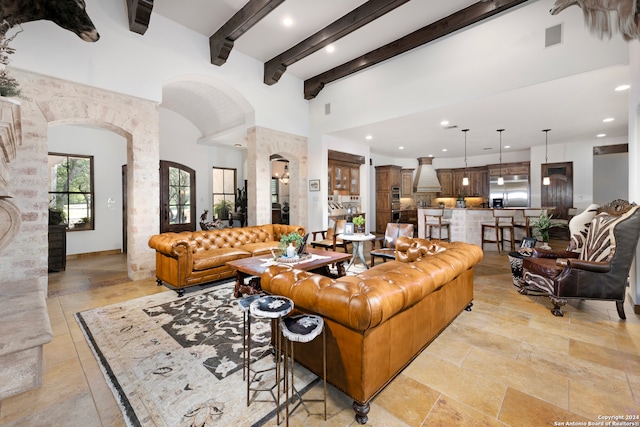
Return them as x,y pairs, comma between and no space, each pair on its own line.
610,177
109,151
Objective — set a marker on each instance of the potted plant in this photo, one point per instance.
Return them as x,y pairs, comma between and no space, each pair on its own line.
222,209
542,227
293,240
359,221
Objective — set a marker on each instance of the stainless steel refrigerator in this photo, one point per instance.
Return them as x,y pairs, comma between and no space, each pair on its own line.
514,193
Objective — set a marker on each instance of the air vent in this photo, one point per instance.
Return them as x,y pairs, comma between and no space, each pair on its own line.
553,35
327,109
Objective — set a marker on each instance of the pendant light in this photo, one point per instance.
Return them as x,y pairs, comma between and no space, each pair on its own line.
465,178
500,178
285,176
546,180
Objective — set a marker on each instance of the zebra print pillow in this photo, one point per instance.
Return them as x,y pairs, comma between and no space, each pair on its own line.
600,244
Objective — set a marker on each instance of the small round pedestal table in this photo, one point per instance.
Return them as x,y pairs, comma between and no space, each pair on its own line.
357,240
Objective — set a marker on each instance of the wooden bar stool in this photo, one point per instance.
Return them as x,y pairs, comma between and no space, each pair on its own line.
503,219
432,219
530,218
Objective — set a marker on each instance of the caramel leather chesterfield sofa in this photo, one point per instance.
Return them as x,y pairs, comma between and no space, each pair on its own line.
378,321
191,258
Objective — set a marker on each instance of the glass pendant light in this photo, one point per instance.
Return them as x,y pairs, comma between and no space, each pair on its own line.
546,180
500,178
465,178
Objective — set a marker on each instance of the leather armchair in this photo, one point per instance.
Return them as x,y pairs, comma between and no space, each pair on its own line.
387,243
599,271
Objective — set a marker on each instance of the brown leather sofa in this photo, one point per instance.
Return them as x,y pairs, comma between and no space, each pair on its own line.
191,258
379,320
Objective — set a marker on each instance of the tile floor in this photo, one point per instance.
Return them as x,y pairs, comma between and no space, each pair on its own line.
508,362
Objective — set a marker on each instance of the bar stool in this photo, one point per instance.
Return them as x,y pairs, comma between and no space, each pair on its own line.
433,218
272,307
503,220
244,304
530,217
302,328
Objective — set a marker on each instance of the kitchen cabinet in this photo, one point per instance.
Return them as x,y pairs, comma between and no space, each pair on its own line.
406,187
518,168
388,177
344,178
451,182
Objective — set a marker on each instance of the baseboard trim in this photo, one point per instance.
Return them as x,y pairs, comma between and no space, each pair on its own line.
94,254
636,307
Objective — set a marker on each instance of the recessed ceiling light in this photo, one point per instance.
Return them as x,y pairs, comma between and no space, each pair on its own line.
444,123
330,48
601,135
622,87
368,137
430,155
401,148
444,149
238,145
287,22
608,119
507,146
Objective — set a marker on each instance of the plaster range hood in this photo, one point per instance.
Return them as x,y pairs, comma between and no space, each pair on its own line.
426,180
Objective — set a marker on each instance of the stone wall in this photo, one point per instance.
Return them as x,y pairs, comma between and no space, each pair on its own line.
54,101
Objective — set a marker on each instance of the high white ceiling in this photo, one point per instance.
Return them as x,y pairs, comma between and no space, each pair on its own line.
575,113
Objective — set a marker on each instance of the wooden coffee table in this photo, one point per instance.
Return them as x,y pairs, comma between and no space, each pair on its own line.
248,267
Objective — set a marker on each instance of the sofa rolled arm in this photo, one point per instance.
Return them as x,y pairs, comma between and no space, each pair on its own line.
593,266
547,253
168,244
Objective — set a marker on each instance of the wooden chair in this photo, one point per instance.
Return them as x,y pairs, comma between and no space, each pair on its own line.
387,249
503,219
433,218
330,237
530,217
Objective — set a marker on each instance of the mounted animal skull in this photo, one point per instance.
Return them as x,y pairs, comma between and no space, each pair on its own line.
68,14
597,15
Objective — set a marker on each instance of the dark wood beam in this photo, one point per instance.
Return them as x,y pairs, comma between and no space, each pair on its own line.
139,15
357,18
221,43
454,22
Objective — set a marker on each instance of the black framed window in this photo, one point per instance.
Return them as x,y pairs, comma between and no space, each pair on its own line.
224,191
71,189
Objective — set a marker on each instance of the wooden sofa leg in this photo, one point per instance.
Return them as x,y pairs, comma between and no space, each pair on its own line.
620,308
361,411
557,304
159,282
468,307
180,292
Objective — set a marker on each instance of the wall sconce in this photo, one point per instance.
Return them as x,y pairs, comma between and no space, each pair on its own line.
500,178
546,180
465,178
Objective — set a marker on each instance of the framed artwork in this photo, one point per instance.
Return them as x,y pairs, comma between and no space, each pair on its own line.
314,185
528,243
348,228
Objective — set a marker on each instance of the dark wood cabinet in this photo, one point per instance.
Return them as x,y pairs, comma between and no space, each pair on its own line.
344,178
387,177
451,182
57,247
406,176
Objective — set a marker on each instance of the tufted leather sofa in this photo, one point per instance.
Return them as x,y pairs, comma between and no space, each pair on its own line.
381,319
191,258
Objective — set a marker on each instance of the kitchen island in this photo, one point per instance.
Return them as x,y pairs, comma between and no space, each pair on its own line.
466,224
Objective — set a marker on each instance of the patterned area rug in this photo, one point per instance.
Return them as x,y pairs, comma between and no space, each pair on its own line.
178,361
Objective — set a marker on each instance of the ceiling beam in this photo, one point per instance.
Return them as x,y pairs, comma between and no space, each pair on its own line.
357,18
221,43
454,22
139,12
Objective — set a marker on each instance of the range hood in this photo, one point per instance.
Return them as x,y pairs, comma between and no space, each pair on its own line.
426,180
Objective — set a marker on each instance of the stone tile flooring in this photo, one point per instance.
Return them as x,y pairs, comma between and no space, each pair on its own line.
507,362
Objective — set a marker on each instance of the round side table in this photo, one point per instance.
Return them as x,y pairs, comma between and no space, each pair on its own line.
358,247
